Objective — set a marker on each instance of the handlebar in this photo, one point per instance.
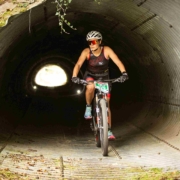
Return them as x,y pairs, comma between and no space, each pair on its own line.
84,82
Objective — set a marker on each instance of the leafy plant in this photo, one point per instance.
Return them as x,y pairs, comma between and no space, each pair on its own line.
62,6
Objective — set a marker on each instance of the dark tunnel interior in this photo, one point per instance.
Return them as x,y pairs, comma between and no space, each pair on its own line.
144,35
33,50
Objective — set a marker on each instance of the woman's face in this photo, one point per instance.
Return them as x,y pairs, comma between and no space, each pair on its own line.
94,44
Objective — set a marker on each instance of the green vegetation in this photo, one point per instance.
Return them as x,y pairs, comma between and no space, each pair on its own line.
61,7
20,8
156,174
6,174
129,173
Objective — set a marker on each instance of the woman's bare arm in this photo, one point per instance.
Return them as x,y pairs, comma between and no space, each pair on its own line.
80,61
111,54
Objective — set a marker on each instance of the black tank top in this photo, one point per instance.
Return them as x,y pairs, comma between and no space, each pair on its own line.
97,64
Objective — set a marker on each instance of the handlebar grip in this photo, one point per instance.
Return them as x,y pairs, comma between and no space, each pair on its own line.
82,81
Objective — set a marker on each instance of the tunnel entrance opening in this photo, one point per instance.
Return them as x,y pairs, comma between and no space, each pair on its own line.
51,75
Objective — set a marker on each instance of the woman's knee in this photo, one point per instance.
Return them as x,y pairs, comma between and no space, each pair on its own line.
90,88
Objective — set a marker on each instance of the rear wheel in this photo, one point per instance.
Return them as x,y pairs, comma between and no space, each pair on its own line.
103,127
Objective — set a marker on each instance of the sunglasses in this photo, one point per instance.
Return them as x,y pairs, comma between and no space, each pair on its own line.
92,42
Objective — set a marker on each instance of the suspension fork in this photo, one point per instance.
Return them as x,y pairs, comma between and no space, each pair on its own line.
107,106
95,121
98,109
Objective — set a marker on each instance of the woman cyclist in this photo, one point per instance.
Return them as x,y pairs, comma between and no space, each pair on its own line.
97,57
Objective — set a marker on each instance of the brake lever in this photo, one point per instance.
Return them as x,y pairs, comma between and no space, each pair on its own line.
116,80
83,82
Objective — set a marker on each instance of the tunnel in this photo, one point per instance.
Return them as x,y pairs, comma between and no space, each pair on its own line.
43,131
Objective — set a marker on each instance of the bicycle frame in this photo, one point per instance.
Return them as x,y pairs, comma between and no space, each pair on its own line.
98,96
100,118
99,122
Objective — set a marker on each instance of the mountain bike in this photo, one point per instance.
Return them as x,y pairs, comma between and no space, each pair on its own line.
99,123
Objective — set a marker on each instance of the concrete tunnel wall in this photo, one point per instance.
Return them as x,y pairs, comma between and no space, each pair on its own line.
144,34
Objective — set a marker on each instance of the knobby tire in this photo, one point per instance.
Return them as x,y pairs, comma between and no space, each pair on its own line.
104,130
97,135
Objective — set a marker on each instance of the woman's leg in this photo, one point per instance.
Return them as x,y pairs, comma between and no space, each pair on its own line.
89,94
110,134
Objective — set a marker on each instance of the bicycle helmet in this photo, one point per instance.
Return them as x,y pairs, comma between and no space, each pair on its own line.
93,35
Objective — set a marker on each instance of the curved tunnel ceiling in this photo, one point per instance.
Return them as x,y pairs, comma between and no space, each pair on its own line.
144,34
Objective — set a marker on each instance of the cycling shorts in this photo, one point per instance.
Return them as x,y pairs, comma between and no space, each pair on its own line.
91,76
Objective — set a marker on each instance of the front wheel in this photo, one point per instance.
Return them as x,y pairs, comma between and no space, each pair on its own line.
104,127
98,141
96,133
